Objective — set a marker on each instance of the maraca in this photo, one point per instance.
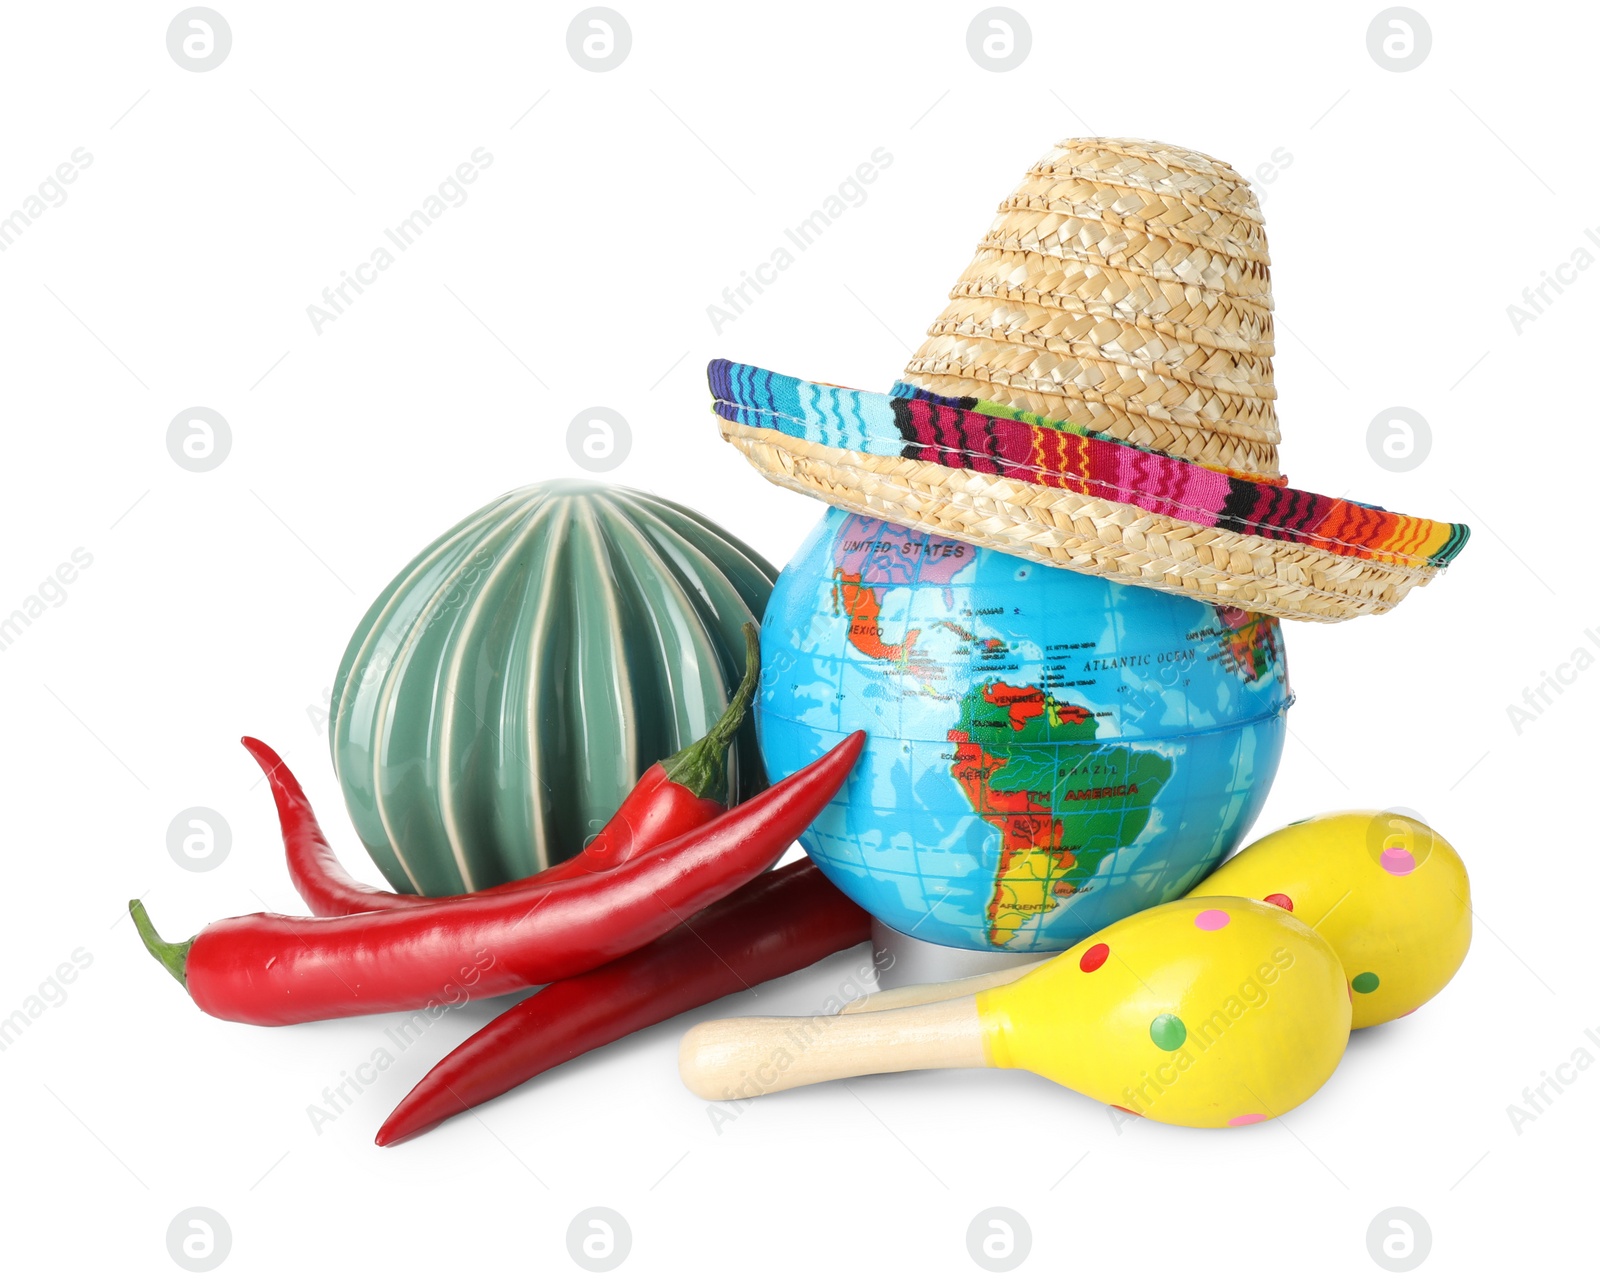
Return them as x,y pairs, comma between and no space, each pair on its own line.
1386,890
1209,1012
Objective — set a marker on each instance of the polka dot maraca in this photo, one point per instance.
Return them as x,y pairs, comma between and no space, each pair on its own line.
1385,889
1213,1012
1388,892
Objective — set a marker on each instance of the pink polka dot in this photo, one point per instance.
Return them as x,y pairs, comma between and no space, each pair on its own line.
1398,862
1254,1117
1211,920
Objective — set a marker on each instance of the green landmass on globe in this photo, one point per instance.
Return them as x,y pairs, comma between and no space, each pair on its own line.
1026,763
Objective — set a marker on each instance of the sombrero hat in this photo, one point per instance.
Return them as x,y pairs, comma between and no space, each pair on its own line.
1098,396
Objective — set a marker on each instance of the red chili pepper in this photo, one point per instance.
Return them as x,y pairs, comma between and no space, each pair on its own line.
674,796
782,921
273,970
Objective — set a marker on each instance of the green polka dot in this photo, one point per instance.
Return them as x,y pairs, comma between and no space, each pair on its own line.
1365,983
1168,1031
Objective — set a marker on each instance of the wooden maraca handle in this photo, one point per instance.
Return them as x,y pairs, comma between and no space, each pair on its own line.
929,992
749,1057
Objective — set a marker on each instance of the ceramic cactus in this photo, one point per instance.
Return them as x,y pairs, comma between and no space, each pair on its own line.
505,691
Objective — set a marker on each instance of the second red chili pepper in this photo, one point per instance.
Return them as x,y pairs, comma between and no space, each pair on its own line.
781,921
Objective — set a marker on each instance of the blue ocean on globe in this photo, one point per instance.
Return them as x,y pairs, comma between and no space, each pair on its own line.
1047,752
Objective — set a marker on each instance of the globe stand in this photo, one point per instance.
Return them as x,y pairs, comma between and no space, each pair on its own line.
903,961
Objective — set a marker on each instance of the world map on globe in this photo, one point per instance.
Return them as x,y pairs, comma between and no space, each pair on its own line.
1047,751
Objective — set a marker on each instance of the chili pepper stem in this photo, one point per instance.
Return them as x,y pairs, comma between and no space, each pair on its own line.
701,767
173,955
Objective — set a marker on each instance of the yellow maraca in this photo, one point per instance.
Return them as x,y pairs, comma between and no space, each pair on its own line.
1209,1012
1387,890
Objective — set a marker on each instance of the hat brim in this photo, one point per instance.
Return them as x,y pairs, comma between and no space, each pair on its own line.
1058,495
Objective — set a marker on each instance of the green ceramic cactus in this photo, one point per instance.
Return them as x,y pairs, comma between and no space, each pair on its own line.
506,690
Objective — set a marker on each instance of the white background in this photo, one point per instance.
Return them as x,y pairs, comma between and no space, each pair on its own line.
1414,209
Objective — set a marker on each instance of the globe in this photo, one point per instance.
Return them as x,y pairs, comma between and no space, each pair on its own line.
1047,751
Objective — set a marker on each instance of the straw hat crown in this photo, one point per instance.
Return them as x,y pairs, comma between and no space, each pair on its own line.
1123,287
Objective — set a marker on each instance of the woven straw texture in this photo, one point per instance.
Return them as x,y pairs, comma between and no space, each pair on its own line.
1068,530
1122,294
1124,287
